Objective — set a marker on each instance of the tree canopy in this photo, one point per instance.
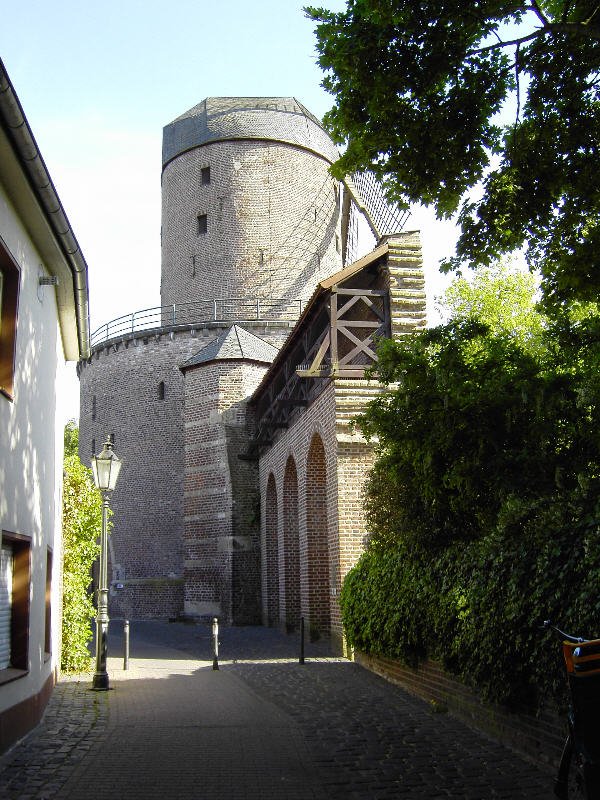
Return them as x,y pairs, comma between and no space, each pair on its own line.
419,87
503,297
496,393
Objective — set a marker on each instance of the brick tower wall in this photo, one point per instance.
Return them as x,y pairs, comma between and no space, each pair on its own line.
242,218
121,395
221,502
272,222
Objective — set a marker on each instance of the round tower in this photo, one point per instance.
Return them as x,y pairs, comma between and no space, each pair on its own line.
249,209
250,224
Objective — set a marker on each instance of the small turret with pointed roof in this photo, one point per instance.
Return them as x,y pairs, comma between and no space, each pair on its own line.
234,344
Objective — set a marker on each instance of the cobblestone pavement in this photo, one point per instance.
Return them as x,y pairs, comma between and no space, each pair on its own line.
263,726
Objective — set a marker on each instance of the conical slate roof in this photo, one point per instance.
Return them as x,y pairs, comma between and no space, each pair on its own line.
216,119
234,344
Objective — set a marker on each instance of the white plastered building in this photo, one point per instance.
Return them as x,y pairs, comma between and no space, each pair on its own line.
43,324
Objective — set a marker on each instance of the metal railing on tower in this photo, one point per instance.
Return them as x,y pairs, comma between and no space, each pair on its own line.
224,309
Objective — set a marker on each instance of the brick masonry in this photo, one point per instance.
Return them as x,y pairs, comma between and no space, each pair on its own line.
221,530
121,394
312,479
317,468
197,530
272,222
183,538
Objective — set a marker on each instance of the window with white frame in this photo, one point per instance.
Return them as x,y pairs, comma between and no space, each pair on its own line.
15,585
6,581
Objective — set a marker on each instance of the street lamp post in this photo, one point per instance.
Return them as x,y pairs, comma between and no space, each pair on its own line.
105,467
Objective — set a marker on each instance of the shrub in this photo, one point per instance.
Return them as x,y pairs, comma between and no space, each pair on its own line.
82,515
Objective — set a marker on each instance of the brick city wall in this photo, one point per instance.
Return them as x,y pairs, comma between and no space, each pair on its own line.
121,394
539,737
272,222
312,515
312,478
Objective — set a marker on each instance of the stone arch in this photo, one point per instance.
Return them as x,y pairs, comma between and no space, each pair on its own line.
317,536
291,546
271,553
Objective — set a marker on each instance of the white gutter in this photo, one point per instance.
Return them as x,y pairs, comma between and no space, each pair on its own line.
16,127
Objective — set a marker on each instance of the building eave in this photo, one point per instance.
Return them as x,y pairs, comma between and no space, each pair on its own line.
30,189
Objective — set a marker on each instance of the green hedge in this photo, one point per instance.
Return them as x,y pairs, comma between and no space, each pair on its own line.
478,607
483,504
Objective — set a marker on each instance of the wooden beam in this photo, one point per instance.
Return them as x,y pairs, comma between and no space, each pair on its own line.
325,371
357,323
316,362
369,303
365,292
289,402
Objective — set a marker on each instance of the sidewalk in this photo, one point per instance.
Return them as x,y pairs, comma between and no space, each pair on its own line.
262,726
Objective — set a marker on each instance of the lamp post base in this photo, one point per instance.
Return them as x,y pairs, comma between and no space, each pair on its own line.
100,681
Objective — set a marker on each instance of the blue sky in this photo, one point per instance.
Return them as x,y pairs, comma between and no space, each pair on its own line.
98,81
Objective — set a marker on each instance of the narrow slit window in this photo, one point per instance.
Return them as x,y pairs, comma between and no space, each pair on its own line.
205,176
202,224
161,390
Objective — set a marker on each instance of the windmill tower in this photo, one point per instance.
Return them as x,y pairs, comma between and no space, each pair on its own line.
251,222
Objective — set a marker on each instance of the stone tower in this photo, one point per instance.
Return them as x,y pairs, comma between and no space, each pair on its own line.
250,224
248,207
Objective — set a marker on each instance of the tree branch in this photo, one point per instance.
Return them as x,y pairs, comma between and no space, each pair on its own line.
509,43
592,15
538,12
517,66
584,29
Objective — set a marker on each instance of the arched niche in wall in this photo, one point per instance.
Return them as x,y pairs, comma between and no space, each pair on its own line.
317,539
291,547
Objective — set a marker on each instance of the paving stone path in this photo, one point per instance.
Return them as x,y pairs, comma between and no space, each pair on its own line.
262,726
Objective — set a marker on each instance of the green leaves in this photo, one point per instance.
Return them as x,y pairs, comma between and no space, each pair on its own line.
483,504
82,515
452,434
418,88
477,607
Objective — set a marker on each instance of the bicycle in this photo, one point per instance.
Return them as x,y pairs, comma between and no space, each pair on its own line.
579,769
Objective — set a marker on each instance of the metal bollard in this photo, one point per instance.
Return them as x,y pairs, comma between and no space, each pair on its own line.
215,633
301,659
126,644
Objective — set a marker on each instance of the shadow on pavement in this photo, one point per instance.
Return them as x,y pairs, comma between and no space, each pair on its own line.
263,726
159,640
